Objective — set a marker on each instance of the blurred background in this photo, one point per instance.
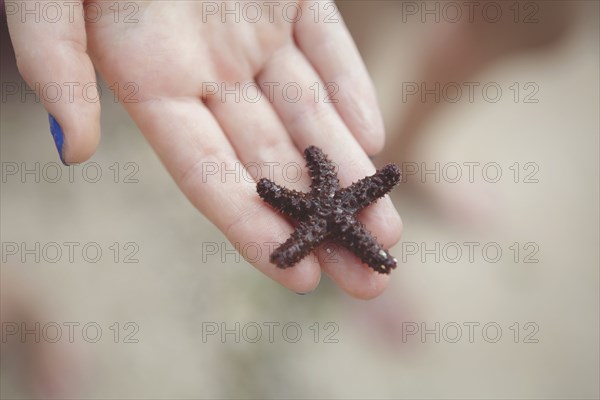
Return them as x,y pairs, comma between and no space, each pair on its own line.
497,290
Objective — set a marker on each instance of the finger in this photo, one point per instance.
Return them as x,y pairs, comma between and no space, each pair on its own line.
51,56
317,123
262,144
191,144
325,41
350,274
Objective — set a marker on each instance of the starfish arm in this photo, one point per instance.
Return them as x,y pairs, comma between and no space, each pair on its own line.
303,240
355,237
368,190
322,172
329,212
289,202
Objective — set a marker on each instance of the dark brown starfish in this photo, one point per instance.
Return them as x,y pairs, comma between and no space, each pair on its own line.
329,212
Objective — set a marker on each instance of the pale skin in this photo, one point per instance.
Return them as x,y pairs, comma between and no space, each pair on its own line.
169,53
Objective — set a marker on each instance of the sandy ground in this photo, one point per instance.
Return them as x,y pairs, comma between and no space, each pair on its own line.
176,291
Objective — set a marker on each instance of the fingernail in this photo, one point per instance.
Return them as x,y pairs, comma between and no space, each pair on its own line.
57,135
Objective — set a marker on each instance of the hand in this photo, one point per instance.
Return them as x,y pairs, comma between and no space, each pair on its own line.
171,53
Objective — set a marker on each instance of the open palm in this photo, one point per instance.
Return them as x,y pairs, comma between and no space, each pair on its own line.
198,101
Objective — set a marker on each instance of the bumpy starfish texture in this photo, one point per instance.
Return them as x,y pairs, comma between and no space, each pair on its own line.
329,212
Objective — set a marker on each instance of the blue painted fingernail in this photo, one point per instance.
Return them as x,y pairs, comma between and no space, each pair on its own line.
57,135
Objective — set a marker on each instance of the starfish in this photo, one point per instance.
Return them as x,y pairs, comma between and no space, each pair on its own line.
330,212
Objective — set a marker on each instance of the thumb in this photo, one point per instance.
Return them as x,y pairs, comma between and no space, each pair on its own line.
50,48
